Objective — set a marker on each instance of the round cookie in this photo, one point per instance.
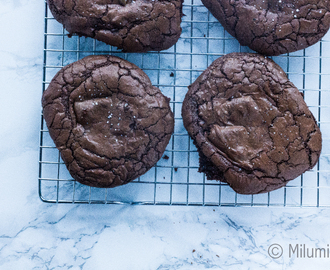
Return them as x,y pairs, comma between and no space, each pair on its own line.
273,27
250,124
108,121
133,26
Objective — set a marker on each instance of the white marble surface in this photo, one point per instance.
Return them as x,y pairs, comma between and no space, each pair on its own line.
36,235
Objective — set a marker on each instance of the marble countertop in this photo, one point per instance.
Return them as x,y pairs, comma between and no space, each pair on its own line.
37,235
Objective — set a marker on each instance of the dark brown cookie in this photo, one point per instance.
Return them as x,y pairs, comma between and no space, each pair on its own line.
250,124
273,27
130,25
109,123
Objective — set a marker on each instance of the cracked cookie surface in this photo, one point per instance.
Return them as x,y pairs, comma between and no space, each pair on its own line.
273,27
108,121
133,26
250,124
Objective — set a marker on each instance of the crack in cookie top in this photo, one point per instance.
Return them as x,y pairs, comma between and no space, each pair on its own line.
109,123
273,27
133,26
250,124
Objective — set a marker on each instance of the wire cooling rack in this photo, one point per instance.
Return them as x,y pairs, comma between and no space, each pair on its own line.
175,179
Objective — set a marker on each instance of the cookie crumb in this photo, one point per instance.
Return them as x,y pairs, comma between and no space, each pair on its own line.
175,169
172,74
166,157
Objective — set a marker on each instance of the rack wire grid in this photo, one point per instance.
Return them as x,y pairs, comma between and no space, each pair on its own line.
175,179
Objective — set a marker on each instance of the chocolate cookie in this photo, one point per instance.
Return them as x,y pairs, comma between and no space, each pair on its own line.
131,25
109,123
250,124
273,27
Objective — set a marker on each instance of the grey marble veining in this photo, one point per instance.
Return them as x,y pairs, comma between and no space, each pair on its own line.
37,235
156,237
